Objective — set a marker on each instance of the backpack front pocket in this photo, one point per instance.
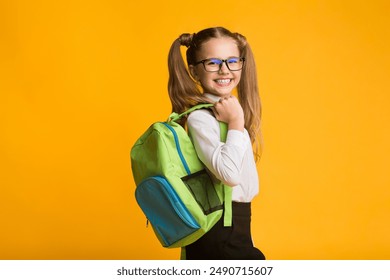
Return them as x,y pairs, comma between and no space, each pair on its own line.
166,212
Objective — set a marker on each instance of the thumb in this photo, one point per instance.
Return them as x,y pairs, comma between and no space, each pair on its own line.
215,112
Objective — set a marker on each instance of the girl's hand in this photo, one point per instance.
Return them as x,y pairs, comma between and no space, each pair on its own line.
229,110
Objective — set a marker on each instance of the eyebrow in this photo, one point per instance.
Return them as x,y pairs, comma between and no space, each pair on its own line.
221,58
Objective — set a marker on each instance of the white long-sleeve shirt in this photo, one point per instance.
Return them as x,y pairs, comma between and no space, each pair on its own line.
231,162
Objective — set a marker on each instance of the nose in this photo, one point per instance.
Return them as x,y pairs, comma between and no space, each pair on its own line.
223,69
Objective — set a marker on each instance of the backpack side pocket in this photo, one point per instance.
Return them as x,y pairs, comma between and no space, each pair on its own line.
202,188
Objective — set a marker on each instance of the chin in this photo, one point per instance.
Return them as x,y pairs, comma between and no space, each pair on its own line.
225,93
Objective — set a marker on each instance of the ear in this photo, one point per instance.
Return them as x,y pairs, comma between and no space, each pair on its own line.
193,73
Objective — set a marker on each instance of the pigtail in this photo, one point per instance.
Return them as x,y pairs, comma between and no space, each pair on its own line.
248,93
182,89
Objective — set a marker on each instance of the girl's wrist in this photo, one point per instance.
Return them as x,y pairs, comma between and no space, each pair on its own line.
237,125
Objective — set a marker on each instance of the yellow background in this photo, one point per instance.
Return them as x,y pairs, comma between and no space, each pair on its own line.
81,80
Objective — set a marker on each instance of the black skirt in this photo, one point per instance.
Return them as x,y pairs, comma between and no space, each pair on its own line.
227,243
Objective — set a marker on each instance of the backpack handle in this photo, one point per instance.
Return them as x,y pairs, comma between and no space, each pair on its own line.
175,116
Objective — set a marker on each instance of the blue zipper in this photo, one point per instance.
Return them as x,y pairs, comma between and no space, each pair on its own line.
178,148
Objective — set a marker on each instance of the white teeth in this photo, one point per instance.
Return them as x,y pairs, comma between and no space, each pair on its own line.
224,81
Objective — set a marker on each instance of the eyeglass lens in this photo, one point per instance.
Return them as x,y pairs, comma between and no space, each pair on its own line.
214,64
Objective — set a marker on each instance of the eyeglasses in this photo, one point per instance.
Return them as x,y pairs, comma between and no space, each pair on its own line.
215,64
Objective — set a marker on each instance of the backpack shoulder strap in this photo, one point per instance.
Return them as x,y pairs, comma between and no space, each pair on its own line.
175,116
227,191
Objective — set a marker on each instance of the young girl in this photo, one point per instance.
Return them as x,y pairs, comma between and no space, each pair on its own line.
219,62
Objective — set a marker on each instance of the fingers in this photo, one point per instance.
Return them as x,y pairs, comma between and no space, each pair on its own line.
227,108
225,102
222,99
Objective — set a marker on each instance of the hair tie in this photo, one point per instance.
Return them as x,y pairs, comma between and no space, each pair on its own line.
241,39
185,39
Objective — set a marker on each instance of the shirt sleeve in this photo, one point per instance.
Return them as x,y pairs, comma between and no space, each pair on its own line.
224,160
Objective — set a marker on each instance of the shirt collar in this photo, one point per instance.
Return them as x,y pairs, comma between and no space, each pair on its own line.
212,97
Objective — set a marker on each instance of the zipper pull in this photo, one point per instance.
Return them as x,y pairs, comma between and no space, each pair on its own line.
147,222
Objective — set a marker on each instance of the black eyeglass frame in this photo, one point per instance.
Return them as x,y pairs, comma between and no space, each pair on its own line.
220,65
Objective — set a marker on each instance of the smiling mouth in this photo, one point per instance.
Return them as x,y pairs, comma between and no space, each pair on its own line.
223,81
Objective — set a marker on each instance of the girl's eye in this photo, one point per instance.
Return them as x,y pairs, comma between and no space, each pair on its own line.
233,60
213,62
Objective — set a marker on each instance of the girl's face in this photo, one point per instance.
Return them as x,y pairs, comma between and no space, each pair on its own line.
222,82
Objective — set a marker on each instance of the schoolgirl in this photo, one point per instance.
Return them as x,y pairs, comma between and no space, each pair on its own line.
220,63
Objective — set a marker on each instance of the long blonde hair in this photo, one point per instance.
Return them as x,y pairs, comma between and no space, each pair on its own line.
184,92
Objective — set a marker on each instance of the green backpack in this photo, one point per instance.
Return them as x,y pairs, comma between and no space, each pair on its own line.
174,190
